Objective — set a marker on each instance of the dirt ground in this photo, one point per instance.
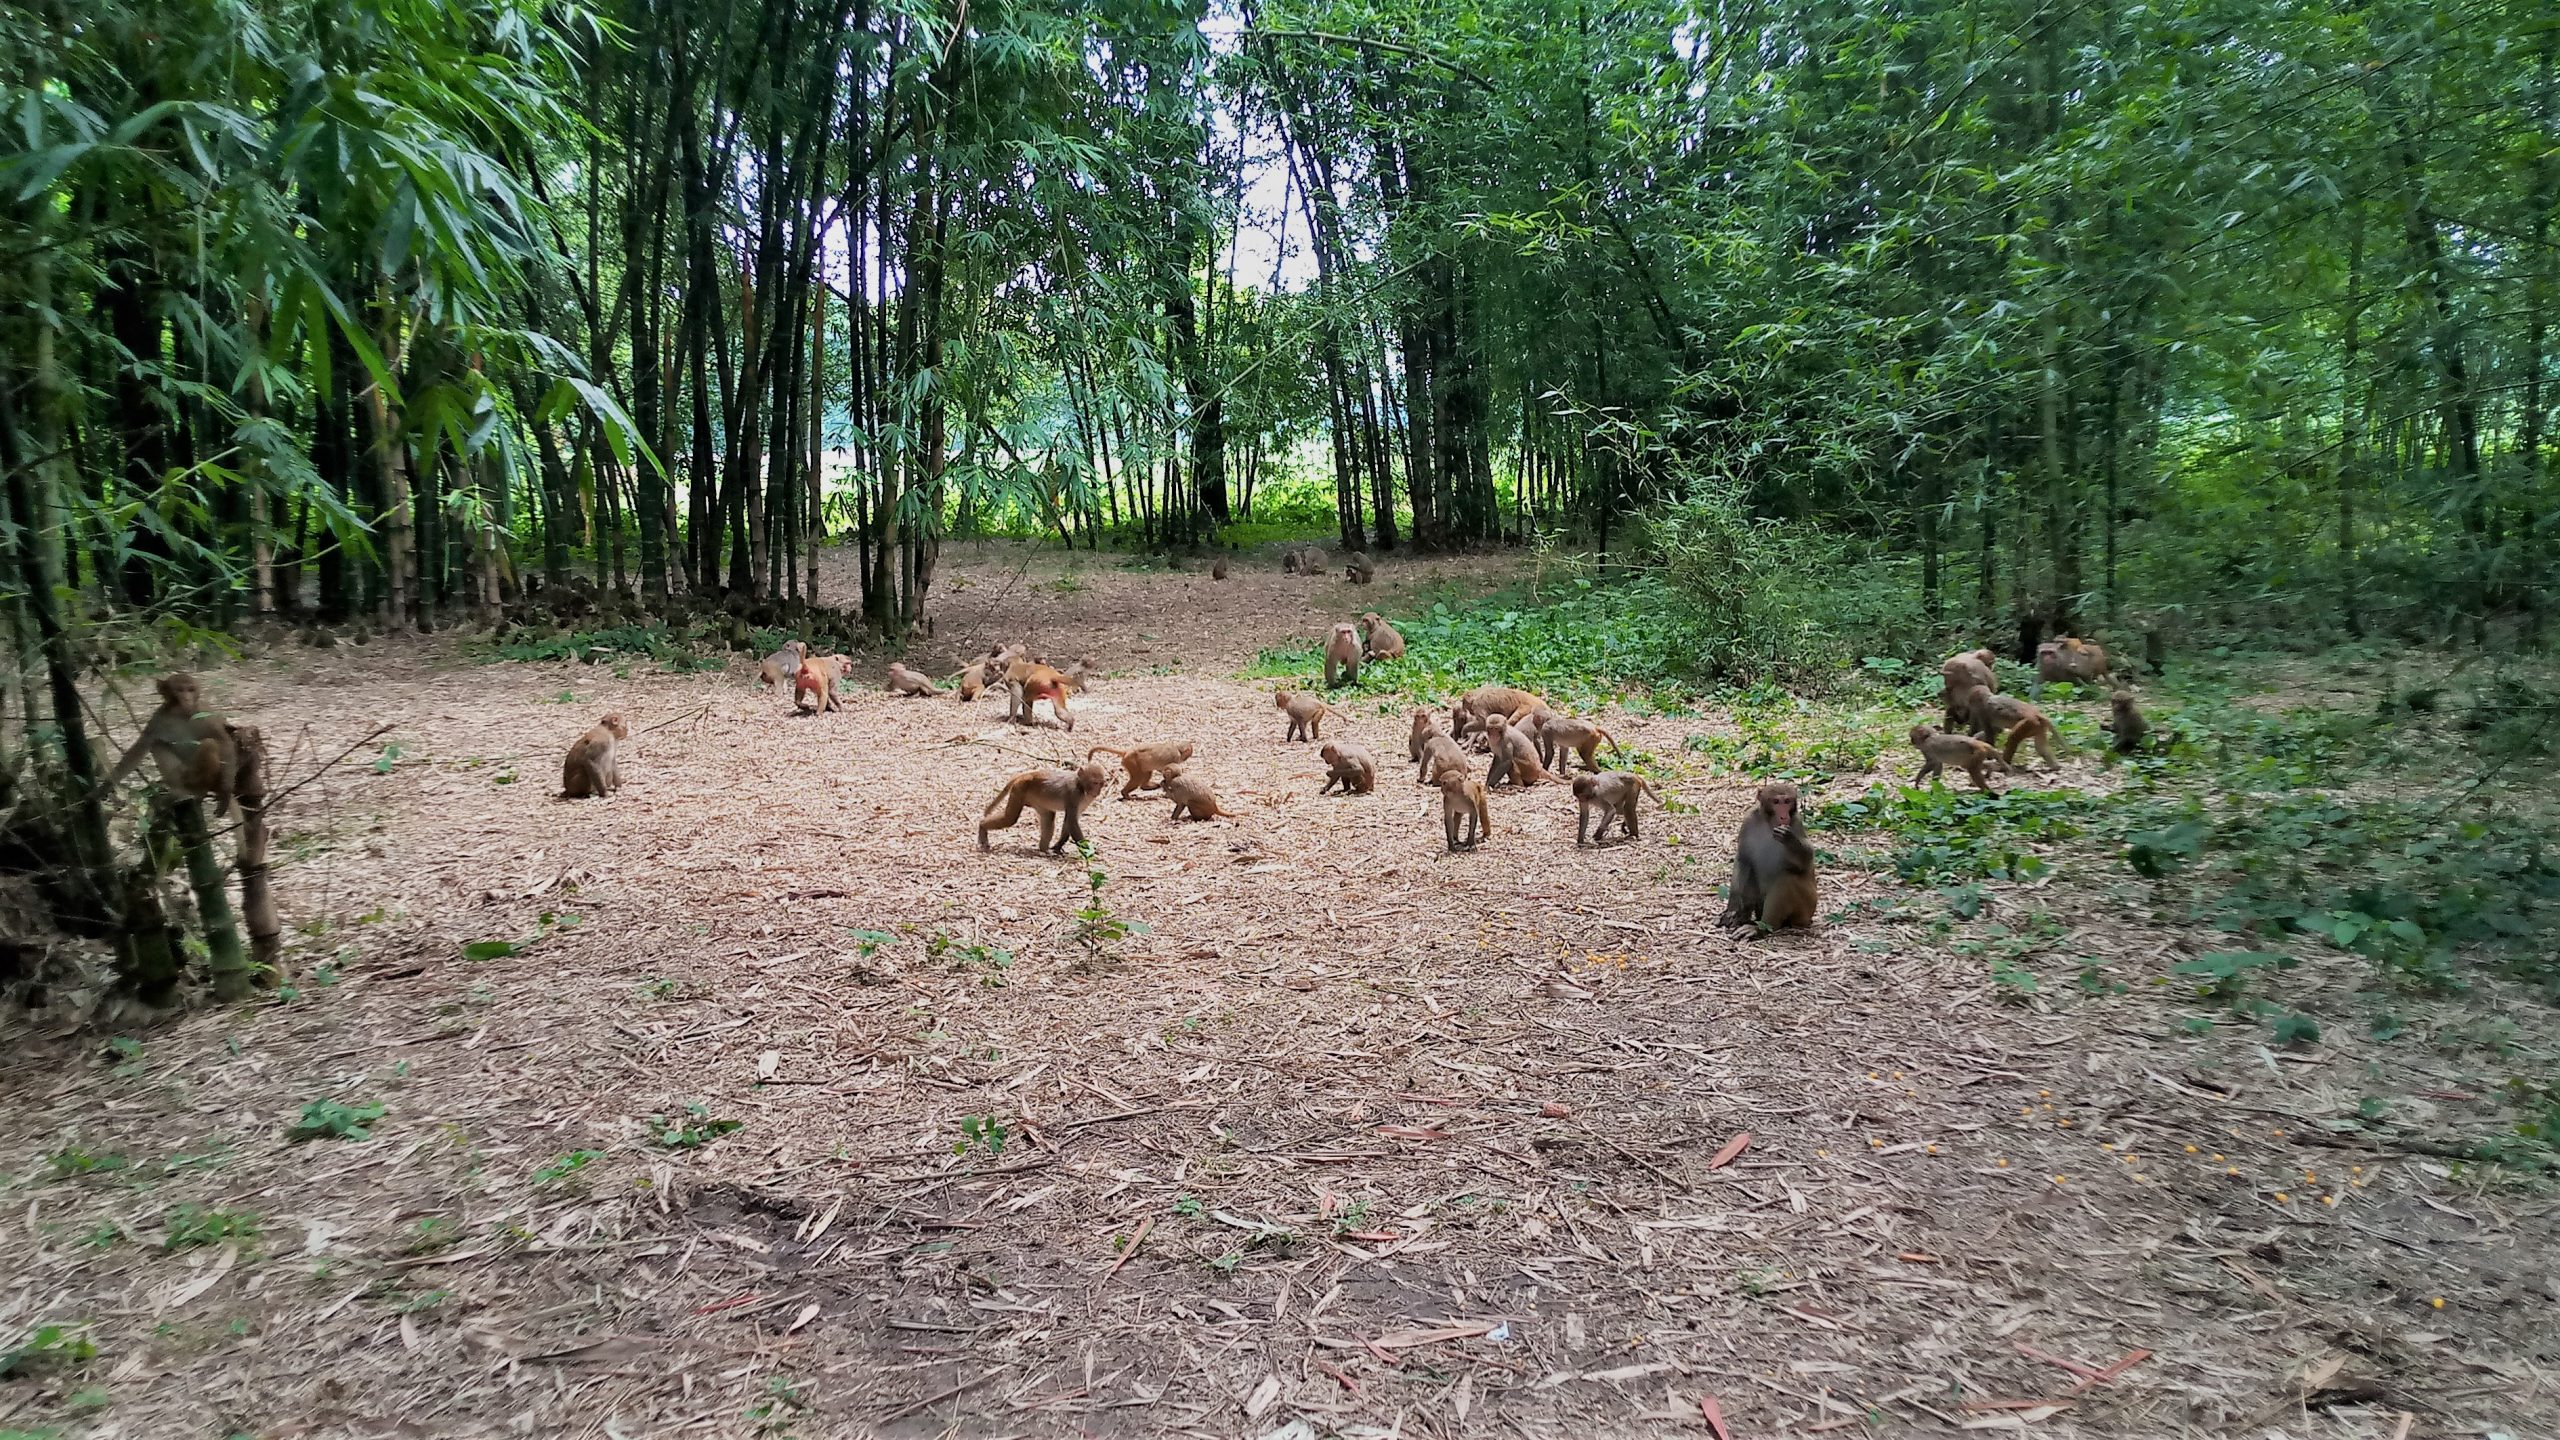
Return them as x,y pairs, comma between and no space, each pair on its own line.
1344,1135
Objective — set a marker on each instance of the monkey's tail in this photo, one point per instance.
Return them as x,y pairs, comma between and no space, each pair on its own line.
1106,750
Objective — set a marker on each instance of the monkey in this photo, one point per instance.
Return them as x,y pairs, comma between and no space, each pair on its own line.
1218,567
1773,879
190,745
1467,713
1342,656
592,770
1030,681
818,676
1425,725
2133,733
1939,749
1354,766
1559,735
1440,756
1972,668
781,665
1192,799
1289,560
973,681
1515,755
2068,658
1056,794
1148,765
1611,795
1380,640
1462,799
1991,714
910,683
1358,570
1306,714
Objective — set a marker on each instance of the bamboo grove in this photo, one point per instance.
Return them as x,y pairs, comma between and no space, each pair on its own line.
2027,313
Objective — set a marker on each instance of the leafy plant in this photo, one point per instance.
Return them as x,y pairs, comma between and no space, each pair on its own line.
694,1129
2223,974
984,1131
561,1167
193,1225
71,1161
332,1119
51,1346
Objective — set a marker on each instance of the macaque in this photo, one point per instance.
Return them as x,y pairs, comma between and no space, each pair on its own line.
1378,639
1462,799
1358,570
1193,800
1611,795
1218,567
1467,714
592,771
1030,682
1515,755
1441,756
190,745
1056,794
1992,714
1969,670
1306,714
1354,767
1559,735
781,665
1342,656
2070,659
1773,880
818,676
1290,558
973,680
2133,733
911,683
1940,749
1425,725
1148,765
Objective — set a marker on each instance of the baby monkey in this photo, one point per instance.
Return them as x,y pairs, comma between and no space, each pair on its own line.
1611,795
1193,799
1148,765
191,746
1306,714
1940,749
1463,810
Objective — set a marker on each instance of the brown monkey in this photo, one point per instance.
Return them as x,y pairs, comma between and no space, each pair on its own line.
1148,765
2069,658
2133,733
190,745
1218,567
1611,795
1441,756
592,770
1992,714
818,676
1056,794
1466,715
1312,560
1306,714
1425,725
1379,639
1773,879
1462,799
1342,656
781,665
1971,669
903,681
1358,570
1354,767
1290,559
1940,749
1515,755
1193,800
973,680
1559,735
1030,682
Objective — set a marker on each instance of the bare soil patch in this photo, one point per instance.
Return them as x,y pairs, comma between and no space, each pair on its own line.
1352,1137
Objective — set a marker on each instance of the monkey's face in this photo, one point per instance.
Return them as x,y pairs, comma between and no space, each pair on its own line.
1779,805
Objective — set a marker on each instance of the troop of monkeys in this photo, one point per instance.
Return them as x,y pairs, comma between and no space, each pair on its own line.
1977,714
1529,742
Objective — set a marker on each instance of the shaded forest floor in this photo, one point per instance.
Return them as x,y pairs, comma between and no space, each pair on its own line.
783,1110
